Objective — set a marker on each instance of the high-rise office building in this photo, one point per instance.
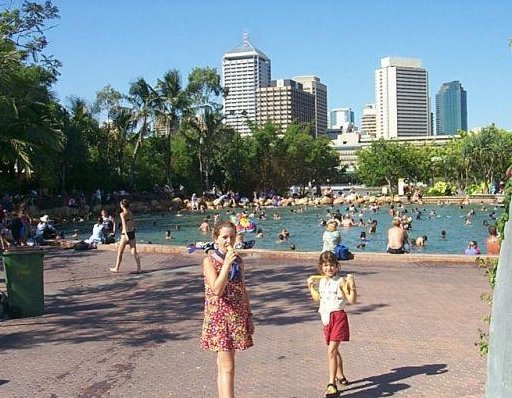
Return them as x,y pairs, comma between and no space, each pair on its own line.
312,84
284,102
402,99
369,121
451,109
341,119
244,70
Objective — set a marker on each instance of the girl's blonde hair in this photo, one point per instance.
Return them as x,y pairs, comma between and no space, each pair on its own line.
219,226
327,257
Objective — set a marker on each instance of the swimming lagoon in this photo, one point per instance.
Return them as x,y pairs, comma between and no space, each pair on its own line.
306,230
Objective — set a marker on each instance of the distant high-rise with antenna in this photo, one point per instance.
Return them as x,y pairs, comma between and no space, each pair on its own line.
244,70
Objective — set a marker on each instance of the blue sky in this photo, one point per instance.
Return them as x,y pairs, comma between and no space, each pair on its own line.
114,42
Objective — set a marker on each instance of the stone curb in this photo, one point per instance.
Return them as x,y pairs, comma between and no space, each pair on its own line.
415,258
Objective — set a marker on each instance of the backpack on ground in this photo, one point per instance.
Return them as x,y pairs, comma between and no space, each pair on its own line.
342,252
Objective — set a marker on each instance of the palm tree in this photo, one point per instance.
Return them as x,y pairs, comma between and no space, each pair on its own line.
122,125
208,127
28,117
172,103
142,96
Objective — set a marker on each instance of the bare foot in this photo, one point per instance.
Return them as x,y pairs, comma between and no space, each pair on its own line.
114,270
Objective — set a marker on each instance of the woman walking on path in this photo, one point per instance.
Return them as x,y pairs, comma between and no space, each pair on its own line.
127,236
228,324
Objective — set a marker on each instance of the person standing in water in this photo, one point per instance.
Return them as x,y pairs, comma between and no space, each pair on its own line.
127,236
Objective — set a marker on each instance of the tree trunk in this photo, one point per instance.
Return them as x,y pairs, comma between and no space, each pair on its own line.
138,144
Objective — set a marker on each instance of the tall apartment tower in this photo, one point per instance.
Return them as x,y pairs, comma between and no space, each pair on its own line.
451,109
369,120
244,70
402,99
285,102
311,84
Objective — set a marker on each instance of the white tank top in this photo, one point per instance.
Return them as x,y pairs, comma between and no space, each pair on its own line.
330,300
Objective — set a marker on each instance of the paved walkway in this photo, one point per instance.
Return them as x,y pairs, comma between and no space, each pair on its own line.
125,335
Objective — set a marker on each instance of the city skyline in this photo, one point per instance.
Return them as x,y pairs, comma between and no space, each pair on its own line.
101,43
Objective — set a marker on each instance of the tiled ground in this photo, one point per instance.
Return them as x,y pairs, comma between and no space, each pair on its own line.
104,335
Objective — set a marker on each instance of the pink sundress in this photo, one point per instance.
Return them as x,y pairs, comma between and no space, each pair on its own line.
226,318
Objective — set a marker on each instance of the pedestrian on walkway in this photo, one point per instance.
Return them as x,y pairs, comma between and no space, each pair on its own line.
228,324
127,236
333,293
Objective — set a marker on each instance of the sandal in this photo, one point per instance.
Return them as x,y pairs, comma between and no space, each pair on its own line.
332,391
342,380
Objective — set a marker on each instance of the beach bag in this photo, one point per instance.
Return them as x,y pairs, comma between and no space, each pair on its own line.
342,253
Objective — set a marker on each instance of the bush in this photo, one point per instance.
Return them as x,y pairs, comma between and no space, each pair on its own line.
475,189
441,188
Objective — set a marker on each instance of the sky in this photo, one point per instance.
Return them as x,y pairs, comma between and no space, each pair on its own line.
102,42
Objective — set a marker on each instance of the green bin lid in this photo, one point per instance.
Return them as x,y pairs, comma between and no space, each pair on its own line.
17,252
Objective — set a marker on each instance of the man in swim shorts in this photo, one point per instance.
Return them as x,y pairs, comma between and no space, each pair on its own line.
397,236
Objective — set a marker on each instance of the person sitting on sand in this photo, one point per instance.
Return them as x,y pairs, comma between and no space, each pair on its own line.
97,233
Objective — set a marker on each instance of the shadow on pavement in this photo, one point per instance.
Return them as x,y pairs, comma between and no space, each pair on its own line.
164,303
385,385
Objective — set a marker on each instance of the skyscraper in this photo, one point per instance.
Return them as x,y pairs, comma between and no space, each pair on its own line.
451,109
369,120
402,99
244,70
284,102
341,119
311,84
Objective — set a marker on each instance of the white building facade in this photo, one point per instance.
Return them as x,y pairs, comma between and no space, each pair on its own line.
402,99
369,121
244,70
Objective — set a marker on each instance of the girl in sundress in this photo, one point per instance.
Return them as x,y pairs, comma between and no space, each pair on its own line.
228,324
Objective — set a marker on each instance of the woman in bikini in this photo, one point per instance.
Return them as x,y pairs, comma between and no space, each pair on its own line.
127,236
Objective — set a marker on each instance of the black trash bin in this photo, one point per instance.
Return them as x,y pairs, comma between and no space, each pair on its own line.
24,279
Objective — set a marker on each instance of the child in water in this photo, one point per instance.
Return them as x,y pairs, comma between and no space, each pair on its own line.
228,326
333,293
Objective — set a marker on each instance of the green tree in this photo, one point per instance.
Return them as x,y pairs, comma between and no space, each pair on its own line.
488,154
172,102
28,110
307,158
205,131
384,162
142,97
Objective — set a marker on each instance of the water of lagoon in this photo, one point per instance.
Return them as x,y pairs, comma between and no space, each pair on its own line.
306,231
